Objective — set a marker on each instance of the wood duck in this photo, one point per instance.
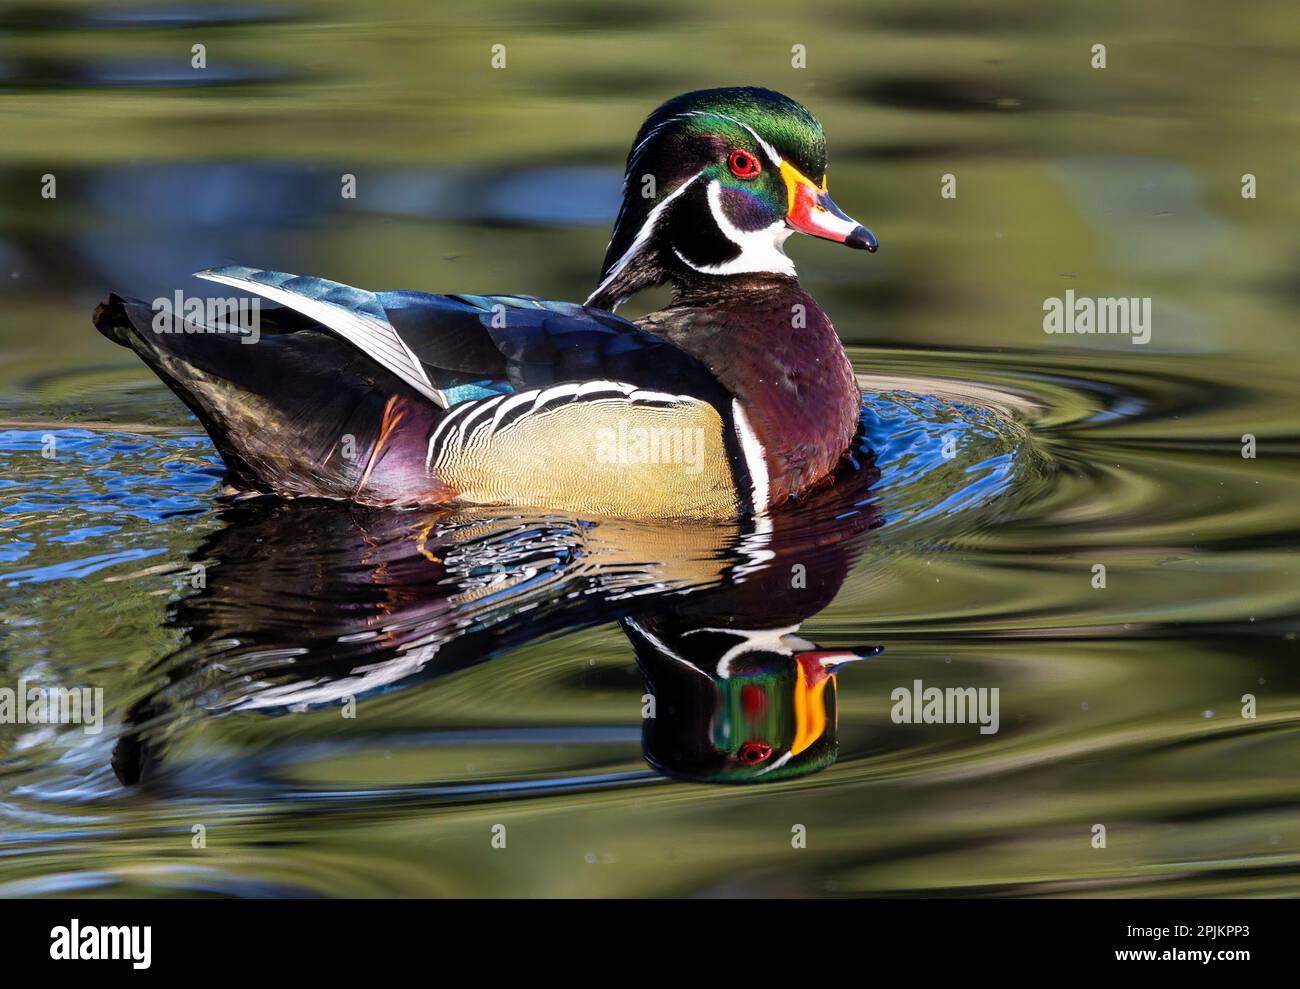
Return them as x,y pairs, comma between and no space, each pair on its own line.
728,402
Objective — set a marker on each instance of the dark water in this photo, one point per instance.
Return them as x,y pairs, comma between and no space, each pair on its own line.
354,702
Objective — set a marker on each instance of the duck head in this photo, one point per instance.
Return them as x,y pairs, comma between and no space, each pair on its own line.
716,181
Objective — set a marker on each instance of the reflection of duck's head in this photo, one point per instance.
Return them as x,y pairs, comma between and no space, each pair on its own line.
737,705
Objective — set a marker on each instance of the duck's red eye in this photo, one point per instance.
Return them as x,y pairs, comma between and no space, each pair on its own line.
743,164
752,753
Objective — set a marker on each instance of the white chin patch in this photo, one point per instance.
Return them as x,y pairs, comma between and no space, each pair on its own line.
760,250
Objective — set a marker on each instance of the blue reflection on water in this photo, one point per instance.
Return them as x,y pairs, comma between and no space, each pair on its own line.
916,437
79,488
936,458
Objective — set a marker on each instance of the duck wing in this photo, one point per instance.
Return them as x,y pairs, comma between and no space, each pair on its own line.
456,348
352,313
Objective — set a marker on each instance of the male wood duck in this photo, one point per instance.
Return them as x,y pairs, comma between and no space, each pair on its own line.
730,401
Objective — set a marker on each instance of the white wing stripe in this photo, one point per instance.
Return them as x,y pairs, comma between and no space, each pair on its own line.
374,337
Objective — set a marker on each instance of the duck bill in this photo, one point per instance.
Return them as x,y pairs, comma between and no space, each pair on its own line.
810,703
832,661
813,212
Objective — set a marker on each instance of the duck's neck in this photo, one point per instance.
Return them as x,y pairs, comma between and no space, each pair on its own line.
693,288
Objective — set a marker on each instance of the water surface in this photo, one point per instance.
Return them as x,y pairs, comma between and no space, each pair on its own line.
491,662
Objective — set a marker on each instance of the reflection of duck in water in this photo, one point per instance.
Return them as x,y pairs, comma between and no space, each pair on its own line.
738,695
766,710
311,604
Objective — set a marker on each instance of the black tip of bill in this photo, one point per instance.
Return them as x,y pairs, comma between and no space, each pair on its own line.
863,239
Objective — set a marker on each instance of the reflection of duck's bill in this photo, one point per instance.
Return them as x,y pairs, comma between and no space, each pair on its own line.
816,672
832,660
809,707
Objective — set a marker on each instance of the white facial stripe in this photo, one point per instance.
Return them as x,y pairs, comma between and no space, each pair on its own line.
662,646
767,148
760,250
776,765
651,136
751,640
777,160
643,235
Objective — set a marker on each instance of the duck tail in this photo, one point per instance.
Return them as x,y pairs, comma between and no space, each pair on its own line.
111,320
292,409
